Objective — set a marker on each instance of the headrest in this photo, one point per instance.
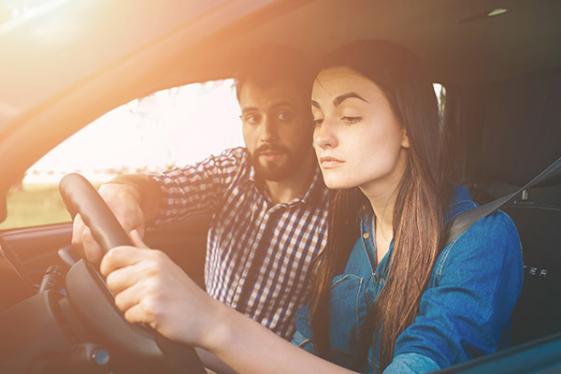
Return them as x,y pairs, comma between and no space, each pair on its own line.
521,128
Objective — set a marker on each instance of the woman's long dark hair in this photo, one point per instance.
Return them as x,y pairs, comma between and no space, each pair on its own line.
422,197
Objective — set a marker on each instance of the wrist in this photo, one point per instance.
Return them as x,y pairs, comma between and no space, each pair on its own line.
146,192
126,191
221,330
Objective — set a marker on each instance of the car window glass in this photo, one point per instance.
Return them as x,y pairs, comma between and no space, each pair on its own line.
171,127
440,92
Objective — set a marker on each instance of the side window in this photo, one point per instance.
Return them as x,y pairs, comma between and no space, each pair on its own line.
177,126
440,92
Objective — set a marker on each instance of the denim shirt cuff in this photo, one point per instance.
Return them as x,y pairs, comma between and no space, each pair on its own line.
411,363
303,342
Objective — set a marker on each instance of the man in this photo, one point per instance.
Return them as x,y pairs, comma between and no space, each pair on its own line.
267,200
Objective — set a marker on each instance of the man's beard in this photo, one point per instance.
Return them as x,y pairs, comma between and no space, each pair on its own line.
270,170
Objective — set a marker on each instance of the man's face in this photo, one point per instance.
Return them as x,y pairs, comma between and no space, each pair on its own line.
277,128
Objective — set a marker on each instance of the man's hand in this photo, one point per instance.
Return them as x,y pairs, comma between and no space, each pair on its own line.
124,202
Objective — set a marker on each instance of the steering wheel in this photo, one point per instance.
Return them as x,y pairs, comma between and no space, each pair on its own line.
89,296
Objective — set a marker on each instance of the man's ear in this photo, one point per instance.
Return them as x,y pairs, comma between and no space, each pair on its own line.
405,140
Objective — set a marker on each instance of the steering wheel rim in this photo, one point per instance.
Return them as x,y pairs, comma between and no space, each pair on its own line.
84,281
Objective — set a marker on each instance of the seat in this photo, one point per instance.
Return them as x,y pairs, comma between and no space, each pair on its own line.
513,132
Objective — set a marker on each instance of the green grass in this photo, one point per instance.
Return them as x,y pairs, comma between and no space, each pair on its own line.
35,206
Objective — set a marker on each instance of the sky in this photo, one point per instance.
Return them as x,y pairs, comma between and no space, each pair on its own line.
177,126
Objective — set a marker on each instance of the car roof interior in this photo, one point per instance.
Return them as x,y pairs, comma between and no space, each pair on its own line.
460,42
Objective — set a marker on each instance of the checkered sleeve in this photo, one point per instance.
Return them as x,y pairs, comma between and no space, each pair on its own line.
198,188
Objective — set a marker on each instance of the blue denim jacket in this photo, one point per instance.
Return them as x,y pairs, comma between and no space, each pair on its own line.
464,312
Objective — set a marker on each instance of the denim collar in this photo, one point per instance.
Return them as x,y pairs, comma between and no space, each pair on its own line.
461,201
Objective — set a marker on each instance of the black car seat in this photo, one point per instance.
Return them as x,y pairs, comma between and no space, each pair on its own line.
513,132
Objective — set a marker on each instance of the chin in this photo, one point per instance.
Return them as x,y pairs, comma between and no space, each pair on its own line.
335,180
273,172
336,183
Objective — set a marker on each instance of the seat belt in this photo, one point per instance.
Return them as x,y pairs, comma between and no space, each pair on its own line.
464,221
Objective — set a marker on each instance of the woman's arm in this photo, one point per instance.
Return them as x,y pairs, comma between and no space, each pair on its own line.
248,347
150,289
213,363
464,314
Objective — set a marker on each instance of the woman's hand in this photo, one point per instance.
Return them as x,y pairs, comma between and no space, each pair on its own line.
150,289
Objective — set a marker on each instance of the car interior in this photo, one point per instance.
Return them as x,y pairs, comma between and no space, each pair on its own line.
499,61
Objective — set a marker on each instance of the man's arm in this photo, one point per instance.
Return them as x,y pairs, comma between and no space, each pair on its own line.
138,200
124,200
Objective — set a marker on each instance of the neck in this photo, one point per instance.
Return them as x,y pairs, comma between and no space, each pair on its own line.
383,205
382,195
295,185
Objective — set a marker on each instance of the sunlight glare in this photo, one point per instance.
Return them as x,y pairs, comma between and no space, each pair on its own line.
170,128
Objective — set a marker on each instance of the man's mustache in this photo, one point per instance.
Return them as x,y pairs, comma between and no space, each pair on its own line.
270,148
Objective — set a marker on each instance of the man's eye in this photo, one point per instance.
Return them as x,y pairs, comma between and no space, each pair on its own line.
285,115
348,120
251,118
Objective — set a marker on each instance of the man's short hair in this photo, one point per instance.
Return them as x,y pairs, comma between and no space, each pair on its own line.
267,64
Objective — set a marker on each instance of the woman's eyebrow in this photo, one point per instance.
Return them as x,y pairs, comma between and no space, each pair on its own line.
339,99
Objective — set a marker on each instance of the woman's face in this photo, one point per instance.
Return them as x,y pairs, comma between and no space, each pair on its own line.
357,138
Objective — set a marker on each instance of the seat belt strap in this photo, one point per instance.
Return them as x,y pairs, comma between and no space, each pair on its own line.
464,221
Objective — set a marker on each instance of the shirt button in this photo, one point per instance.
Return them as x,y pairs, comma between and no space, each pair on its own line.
366,235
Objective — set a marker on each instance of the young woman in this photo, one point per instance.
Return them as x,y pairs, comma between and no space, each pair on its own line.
390,294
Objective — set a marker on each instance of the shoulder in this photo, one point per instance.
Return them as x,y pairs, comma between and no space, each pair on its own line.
497,227
230,160
492,239
494,228
237,154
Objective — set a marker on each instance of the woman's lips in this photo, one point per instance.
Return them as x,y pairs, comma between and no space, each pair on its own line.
328,162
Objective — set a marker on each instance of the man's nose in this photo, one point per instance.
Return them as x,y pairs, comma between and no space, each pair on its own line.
269,129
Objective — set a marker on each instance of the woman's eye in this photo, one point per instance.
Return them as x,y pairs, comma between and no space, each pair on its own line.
318,121
349,120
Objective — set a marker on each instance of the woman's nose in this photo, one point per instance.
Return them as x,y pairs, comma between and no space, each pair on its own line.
324,137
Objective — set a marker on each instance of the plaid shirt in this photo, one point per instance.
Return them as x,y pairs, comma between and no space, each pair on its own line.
258,253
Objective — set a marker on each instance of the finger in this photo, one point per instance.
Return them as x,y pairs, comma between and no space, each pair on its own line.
129,297
120,257
139,313
126,277
77,227
76,242
137,239
92,249
141,229
136,314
